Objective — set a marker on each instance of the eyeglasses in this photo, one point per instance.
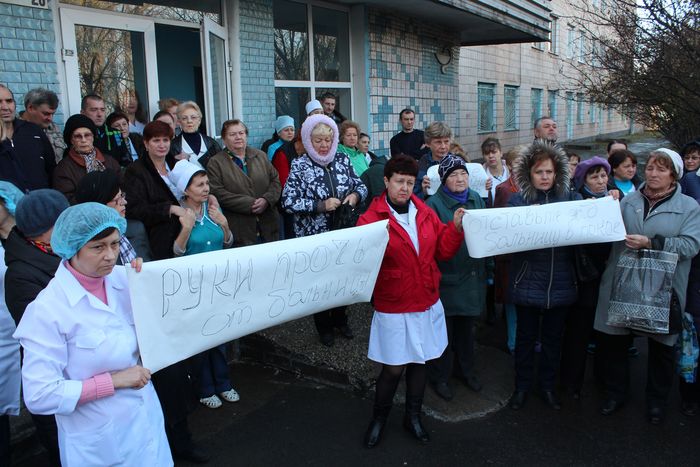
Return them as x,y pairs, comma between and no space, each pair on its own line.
691,158
190,118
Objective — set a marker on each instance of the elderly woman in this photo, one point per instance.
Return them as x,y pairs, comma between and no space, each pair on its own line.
542,282
81,357
623,165
247,187
658,217
191,144
463,282
438,137
81,157
319,182
284,133
154,200
349,136
204,228
591,181
9,348
103,188
408,327
131,143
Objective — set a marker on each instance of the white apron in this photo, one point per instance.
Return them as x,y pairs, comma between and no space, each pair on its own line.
10,377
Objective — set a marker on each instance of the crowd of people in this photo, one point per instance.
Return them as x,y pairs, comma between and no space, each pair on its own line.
116,189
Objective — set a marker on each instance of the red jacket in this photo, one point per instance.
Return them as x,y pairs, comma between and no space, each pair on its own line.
408,281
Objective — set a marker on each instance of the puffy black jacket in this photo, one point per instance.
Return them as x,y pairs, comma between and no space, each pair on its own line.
27,159
543,278
29,271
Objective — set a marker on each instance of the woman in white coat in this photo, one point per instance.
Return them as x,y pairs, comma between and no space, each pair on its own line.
81,358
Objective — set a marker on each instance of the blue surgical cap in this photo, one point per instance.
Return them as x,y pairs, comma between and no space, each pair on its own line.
10,195
78,224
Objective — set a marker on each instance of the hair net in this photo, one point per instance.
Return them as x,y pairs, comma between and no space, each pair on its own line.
78,224
10,195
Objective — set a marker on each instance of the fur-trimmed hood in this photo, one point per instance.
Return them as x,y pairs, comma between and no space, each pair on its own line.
525,161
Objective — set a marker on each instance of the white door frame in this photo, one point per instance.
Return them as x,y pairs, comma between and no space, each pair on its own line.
96,18
209,26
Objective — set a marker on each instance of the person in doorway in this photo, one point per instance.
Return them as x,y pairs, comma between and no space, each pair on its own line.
329,101
408,327
136,114
81,357
192,144
319,182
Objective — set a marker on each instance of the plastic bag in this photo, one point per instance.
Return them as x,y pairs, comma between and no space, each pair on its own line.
641,291
687,350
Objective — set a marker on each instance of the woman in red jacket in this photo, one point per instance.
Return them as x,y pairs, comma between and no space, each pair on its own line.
408,327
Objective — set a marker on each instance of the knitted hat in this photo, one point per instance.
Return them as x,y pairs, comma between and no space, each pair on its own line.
98,187
313,105
449,164
38,210
584,167
77,121
182,174
675,158
282,122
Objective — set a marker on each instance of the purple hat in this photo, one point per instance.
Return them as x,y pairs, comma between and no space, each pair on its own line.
584,167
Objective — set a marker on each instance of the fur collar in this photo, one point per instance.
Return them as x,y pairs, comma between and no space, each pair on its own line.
525,161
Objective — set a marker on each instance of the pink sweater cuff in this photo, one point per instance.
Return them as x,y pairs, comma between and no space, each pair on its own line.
96,387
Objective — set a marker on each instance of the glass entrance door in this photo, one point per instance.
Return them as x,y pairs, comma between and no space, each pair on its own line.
216,75
112,56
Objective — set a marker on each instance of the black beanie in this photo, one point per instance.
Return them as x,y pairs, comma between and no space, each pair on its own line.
449,164
98,187
78,121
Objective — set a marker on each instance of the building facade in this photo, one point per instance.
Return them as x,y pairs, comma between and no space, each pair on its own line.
256,59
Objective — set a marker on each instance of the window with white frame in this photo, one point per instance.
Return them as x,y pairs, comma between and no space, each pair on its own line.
553,45
312,57
581,47
570,42
486,108
535,105
510,107
579,108
552,104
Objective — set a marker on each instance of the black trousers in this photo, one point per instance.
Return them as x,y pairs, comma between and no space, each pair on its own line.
326,320
460,344
577,335
616,371
548,325
173,388
47,432
5,452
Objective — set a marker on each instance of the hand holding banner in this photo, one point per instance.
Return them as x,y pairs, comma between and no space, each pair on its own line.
489,232
186,305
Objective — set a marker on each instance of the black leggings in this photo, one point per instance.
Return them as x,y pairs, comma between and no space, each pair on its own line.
389,380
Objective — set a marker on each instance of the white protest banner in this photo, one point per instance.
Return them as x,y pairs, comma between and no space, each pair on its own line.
183,306
477,179
499,231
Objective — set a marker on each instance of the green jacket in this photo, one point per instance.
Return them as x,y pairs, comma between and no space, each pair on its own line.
357,159
463,283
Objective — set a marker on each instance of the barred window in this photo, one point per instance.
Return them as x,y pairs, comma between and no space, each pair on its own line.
536,105
510,107
552,104
486,111
579,108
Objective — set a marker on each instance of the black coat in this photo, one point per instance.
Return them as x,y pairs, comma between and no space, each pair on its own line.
29,271
149,200
212,146
27,160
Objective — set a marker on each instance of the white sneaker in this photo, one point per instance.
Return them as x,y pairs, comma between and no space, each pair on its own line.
230,396
212,402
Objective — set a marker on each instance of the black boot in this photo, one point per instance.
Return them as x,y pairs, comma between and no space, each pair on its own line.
412,422
376,426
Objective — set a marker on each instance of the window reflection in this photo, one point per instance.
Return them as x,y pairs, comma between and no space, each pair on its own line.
331,45
292,102
291,41
190,11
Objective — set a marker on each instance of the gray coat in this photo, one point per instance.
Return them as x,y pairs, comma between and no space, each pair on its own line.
677,220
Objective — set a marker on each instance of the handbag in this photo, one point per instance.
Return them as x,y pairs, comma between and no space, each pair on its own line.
586,271
687,350
345,216
642,288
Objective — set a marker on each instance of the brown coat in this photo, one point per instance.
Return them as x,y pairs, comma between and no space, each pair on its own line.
236,192
71,170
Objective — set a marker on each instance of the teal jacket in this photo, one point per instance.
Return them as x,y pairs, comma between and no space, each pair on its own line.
463,283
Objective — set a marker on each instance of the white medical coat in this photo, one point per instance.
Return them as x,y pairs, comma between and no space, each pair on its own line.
69,335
